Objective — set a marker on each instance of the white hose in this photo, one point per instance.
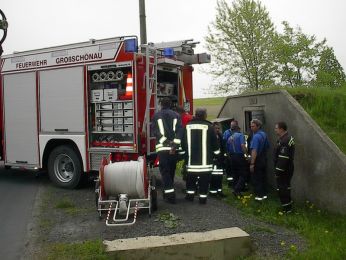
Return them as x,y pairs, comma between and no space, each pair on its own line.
125,178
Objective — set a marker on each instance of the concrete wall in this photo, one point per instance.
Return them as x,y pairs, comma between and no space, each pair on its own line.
320,166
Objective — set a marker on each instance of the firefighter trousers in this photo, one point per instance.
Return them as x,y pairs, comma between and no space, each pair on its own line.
216,181
167,165
203,180
283,180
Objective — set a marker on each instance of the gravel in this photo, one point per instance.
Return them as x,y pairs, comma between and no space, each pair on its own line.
51,224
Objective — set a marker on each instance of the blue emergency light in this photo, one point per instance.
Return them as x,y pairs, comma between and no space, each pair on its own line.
168,52
131,45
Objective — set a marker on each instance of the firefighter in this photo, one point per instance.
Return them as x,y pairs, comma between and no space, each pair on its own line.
167,127
200,144
226,137
283,165
218,167
259,146
239,164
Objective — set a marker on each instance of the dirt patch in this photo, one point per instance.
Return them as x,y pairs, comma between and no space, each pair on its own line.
67,216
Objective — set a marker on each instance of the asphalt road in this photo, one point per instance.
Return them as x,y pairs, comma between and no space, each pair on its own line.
18,190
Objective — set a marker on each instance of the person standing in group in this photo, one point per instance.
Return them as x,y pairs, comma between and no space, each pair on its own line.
185,116
200,144
239,165
167,128
284,165
226,139
218,167
259,146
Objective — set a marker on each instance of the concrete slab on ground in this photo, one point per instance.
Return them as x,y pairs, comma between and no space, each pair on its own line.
227,243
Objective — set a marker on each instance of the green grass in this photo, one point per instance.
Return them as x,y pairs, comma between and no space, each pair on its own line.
213,105
86,250
325,232
327,107
209,101
68,207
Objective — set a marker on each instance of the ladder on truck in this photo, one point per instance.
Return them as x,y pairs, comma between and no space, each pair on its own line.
151,91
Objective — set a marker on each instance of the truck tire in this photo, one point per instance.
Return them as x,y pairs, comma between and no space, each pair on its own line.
64,167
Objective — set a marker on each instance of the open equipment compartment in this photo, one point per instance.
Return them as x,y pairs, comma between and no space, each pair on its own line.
111,109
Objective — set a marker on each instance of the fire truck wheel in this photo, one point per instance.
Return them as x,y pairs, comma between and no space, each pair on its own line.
64,167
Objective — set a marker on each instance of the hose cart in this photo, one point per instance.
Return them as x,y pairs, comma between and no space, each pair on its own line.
123,188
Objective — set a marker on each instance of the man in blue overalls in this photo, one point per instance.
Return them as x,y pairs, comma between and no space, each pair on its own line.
239,164
259,146
226,137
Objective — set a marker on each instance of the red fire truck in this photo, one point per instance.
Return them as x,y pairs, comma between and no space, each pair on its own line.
64,108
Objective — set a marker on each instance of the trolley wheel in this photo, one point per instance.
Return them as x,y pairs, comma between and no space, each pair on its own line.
65,167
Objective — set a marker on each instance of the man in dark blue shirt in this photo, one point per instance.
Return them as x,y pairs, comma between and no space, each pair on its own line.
259,146
226,137
239,164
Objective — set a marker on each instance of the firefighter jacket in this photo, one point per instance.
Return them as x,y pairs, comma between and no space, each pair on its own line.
200,145
284,154
167,130
219,158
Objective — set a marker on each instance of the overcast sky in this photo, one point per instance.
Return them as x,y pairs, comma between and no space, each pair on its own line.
41,23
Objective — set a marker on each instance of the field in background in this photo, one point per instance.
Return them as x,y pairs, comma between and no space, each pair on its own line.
213,105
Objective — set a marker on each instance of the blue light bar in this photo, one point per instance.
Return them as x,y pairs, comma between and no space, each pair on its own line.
131,45
168,52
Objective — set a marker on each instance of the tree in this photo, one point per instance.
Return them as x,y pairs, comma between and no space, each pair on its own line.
297,56
330,73
240,41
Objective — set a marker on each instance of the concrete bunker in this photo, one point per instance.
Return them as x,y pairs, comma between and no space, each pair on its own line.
320,166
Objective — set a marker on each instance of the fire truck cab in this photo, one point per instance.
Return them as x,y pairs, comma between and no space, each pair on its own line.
64,108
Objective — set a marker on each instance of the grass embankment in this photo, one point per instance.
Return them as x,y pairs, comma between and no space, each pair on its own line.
327,107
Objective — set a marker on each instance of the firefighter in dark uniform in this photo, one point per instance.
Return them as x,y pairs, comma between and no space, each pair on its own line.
200,145
167,128
283,165
218,166
258,164
239,165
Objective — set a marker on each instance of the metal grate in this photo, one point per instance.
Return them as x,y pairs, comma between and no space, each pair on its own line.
95,160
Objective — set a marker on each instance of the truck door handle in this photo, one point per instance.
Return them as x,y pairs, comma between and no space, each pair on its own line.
61,130
21,161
